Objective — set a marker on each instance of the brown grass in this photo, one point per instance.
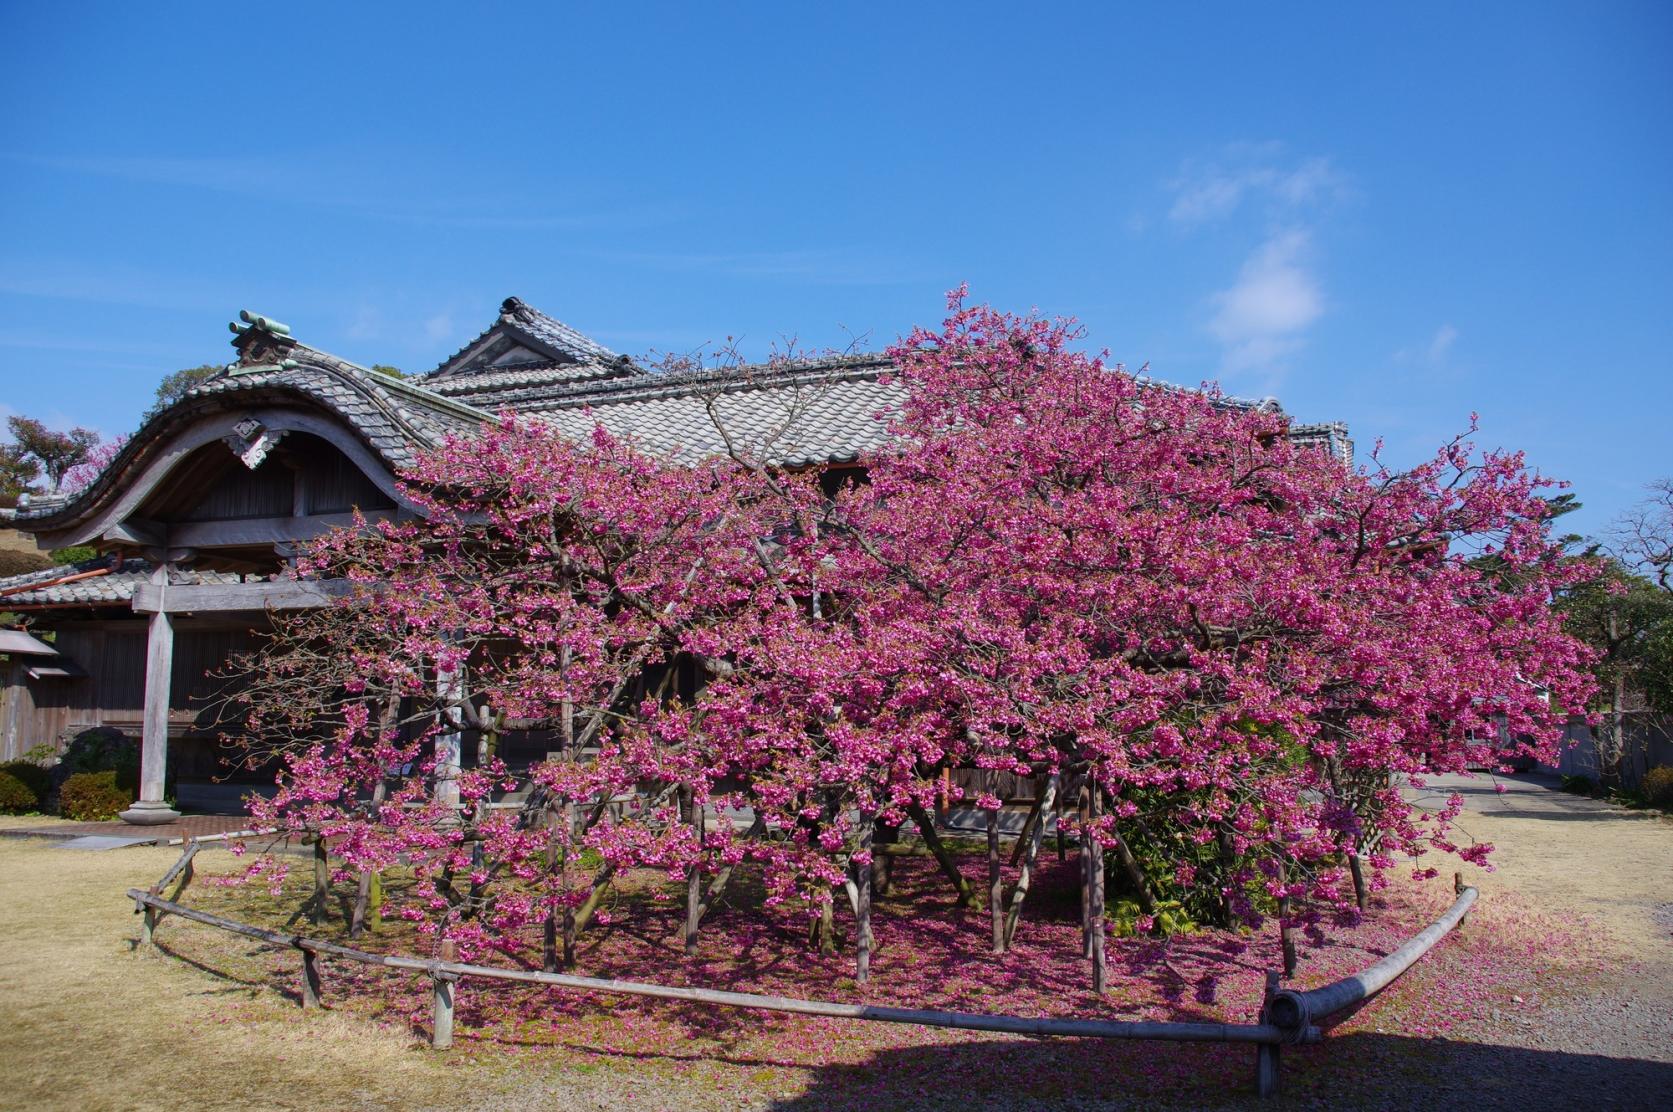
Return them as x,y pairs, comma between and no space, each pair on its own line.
90,1024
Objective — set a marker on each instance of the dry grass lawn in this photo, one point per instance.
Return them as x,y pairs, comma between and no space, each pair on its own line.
90,1024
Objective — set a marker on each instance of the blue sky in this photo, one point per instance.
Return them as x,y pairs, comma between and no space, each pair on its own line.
1392,216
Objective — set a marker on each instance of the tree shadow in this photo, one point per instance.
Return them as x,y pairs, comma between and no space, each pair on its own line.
1358,1070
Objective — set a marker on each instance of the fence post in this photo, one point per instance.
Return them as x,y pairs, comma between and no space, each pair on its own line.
1266,1054
441,1028
310,979
147,943
1458,890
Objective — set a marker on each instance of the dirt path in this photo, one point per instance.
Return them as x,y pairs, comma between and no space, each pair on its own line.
1574,855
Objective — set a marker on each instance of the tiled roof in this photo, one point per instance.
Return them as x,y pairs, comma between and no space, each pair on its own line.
395,418
1332,436
520,322
93,583
511,383
795,414
555,332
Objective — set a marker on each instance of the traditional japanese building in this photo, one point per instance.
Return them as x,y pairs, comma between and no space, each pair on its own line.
198,515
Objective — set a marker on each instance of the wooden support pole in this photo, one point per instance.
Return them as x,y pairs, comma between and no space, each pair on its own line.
1266,1054
996,882
322,880
1062,847
694,876
441,1027
148,931
1020,892
152,808
311,990
1036,816
1097,924
926,827
1085,872
862,905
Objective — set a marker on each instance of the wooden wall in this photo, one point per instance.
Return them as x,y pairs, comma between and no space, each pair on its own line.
113,692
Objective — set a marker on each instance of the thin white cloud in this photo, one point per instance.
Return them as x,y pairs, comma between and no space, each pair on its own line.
1442,342
439,327
1253,174
1262,317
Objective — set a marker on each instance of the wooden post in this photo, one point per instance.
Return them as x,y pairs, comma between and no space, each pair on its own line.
1286,929
996,880
310,979
1062,847
1020,892
694,875
441,1028
1036,817
322,880
450,684
148,931
152,809
1097,892
1266,1054
949,867
1458,890
1085,872
862,905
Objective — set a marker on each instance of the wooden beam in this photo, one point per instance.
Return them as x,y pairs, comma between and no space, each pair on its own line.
283,594
265,530
137,531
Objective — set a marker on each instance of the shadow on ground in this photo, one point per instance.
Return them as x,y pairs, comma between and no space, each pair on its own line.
1360,1070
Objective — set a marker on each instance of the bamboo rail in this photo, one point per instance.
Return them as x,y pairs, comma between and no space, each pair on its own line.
1287,1016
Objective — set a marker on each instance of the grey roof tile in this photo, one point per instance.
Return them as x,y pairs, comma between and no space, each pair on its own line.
101,583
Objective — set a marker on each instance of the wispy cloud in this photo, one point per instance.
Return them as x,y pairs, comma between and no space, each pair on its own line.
1262,317
382,190
1252,174
831,267
1432,352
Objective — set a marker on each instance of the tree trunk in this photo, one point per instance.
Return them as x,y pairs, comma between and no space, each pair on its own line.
1357,869
1286,931
363,893
883,865
926,826
825,930
1020,892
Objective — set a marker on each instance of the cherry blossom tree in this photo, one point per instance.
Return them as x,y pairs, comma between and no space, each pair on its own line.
1226,649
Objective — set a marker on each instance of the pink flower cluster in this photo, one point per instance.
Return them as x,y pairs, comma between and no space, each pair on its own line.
1236,641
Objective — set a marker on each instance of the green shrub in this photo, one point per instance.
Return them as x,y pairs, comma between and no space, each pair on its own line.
1658,786
32,776
92,797
1579,785
103,749
16,798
